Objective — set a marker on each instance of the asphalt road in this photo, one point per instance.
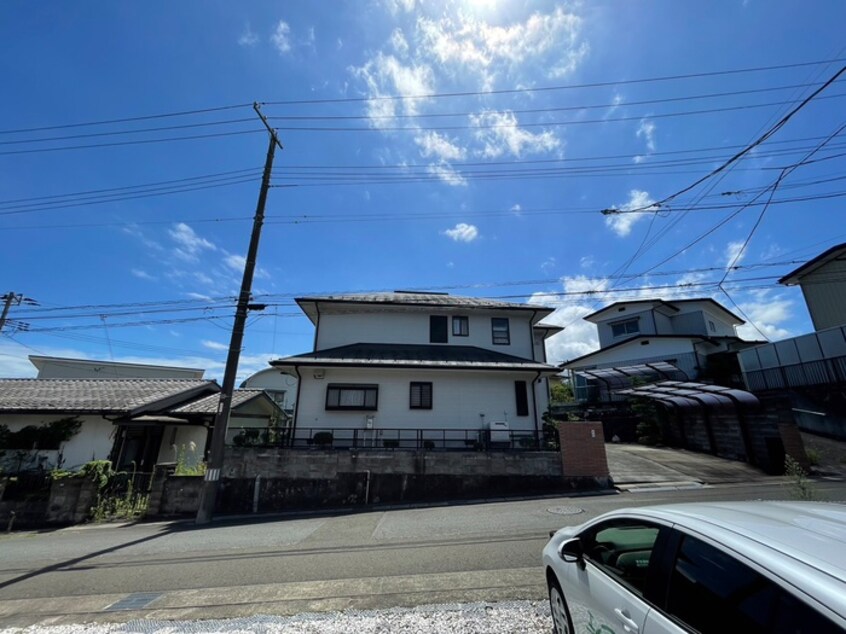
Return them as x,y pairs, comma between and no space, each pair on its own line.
365,560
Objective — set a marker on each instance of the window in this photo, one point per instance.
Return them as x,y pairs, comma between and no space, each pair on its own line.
500,330
352,397
628,327
711,326
460,326
522,398
710,588
421,396
437,329
623,549
278,396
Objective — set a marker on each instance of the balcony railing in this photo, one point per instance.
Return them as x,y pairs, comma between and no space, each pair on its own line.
390,439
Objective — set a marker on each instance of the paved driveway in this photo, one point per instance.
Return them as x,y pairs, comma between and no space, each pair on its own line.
634,466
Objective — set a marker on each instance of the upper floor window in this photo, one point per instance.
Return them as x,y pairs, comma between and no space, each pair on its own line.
420,396
500,331
460,326
353,396
437,329
628,327
711,326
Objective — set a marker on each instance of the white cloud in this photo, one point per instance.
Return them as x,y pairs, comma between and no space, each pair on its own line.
471,42
214,345
447,174
396,6
768,311
622,224
189,244
733,255
141,274
248,38
281,37
199,296
235,262
502,134
646,131
587,262
386,76
548,265
135,231
399,42
462,232
436,145
516,209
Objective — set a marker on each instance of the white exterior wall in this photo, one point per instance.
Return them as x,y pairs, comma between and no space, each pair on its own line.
82,369
273,379
93,442
636,353
458,399
825,295
412,327
606,336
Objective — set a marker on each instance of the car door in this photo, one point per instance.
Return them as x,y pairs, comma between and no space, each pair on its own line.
606,594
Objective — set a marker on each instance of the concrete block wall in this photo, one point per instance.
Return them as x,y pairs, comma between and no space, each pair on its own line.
71,501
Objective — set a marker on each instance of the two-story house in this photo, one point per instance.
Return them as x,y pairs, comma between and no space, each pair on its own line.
397,366
810,368
679,339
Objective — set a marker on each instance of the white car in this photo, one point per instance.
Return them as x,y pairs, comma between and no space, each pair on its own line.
742,567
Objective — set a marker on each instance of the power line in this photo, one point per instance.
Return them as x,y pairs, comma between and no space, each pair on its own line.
509,91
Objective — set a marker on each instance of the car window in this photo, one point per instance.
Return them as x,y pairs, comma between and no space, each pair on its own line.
710,589
623,548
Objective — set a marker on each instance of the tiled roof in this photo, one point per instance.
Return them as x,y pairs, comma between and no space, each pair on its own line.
208,404
412,355
422,299
92,395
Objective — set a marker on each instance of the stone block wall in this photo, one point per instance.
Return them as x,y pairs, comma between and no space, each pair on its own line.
71,500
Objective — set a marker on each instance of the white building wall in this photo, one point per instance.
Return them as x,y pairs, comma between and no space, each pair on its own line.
93,442
177,437
825,295
412,327
657,349
274,380
606,335
458,399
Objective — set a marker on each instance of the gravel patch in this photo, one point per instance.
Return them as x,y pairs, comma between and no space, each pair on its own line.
523,617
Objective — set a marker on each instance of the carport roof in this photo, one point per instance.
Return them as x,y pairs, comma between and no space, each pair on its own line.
622,376
688,394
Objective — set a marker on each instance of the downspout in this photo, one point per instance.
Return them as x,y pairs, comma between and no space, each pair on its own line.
297,404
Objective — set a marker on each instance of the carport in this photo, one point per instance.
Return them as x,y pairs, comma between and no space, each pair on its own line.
611,380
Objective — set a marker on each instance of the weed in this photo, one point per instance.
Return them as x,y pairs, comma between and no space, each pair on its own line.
799,485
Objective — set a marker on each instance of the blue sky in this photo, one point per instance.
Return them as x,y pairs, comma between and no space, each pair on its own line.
497,195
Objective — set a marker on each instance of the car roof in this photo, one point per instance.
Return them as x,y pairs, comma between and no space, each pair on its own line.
803,543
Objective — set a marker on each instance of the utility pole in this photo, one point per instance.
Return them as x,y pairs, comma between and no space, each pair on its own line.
211,483
8,300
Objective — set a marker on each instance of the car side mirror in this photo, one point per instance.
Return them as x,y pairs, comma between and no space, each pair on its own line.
573,552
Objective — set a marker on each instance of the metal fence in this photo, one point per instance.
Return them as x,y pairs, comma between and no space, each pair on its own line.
394,439
809,373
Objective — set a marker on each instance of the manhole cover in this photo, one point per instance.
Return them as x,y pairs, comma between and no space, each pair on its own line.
565,510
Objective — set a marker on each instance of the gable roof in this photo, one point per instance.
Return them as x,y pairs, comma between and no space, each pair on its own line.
98,396
837,252
568,364
208,404
404,298
390,355
670,305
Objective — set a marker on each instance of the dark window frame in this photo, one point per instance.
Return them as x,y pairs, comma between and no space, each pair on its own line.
424,399
497,336
521,394
363,387
438,329
459,320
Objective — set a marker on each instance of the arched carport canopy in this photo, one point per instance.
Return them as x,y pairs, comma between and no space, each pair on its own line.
687,394
614,378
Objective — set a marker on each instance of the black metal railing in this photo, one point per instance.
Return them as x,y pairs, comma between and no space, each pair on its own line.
441,439
809,373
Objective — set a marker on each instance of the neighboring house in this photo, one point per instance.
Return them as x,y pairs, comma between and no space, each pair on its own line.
281,387
810,368
66,368
696,337
132,422
392,365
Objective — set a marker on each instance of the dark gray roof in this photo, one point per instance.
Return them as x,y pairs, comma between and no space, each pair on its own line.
106,396
422,299
391,355
208,404
687,394
671,304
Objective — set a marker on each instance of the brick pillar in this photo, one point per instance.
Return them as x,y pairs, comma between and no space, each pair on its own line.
793,445
583,449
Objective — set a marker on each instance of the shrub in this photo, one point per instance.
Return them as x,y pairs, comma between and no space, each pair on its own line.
323,438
